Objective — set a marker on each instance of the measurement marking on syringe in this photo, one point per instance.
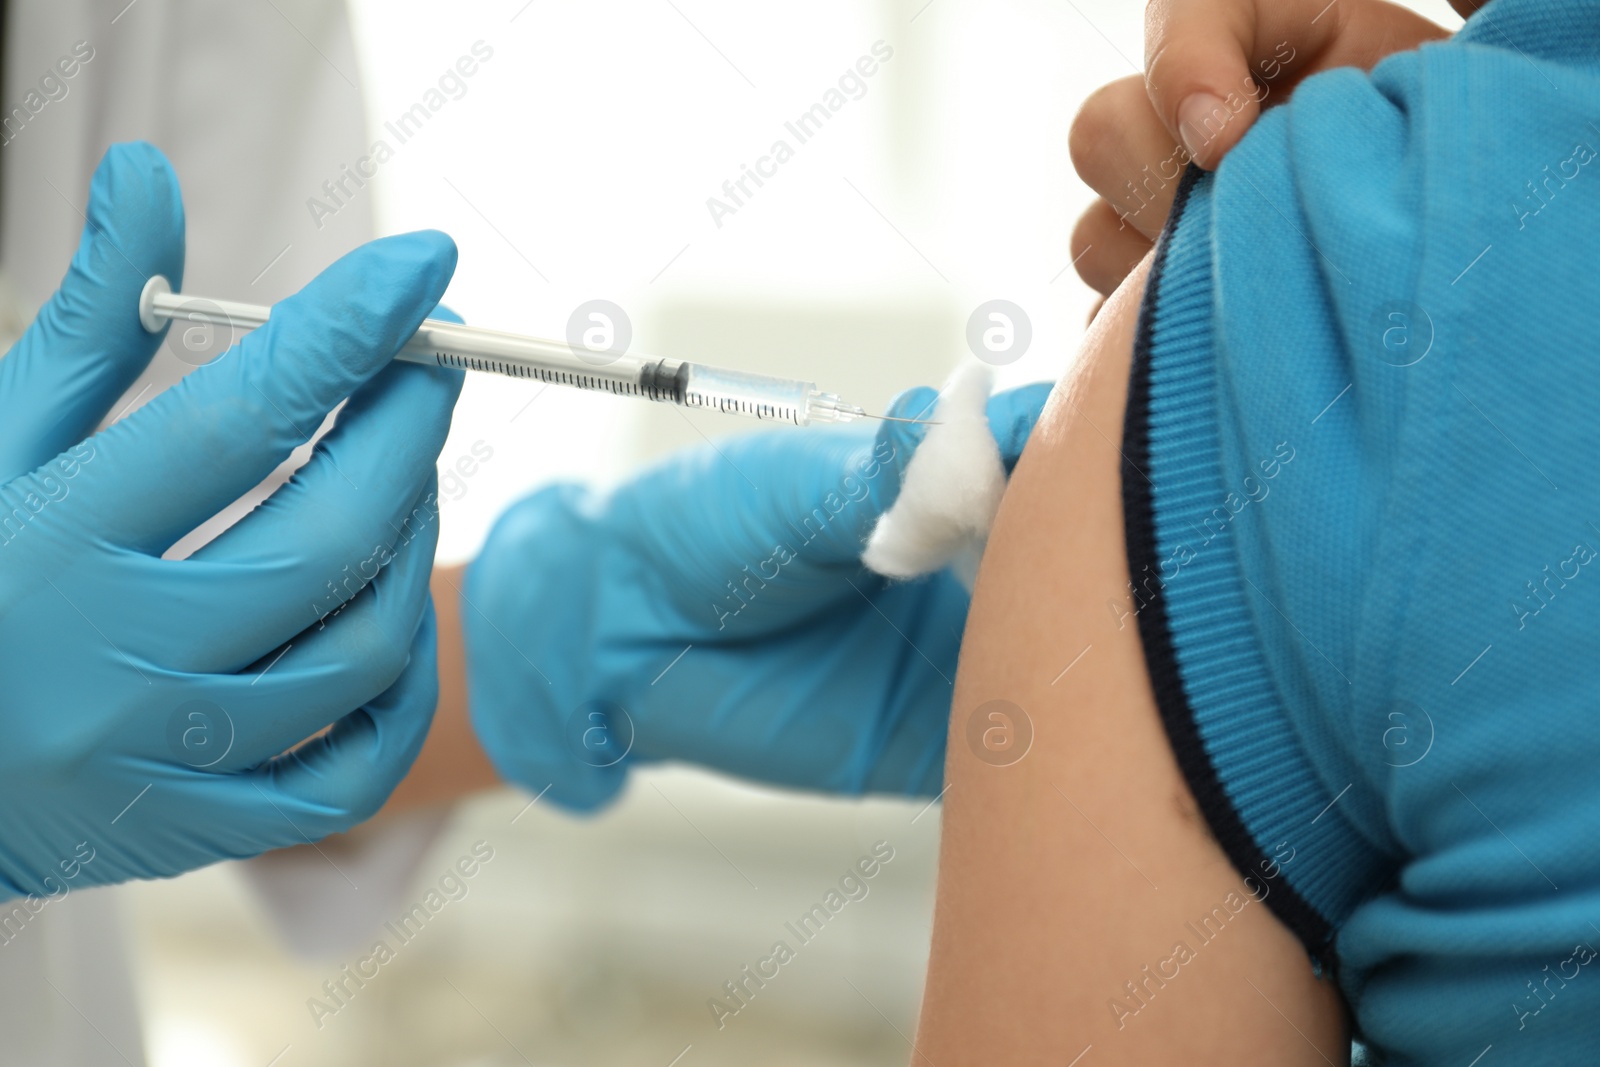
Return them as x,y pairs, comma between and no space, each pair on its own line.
542,374
737,406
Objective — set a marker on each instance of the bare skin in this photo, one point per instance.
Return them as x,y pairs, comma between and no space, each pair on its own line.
452,764
1065,874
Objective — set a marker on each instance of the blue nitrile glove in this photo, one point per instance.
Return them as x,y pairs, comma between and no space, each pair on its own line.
148,702
715,609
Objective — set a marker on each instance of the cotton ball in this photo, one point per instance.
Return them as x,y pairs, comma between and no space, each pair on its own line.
951,490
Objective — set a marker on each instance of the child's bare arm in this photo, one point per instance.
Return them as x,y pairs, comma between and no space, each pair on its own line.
1081,867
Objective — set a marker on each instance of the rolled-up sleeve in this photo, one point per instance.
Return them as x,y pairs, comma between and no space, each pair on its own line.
1362,502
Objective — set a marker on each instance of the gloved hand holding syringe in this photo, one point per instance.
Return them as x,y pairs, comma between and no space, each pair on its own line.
449,344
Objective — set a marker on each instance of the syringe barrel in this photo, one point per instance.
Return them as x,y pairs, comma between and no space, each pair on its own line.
448,344
758,396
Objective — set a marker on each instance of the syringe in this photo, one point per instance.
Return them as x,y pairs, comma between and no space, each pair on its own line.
449,344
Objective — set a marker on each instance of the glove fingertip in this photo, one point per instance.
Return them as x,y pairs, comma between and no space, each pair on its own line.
1012,417
420,262
347,324
136,204
442,246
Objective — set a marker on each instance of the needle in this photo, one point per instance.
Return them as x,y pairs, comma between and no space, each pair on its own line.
897,418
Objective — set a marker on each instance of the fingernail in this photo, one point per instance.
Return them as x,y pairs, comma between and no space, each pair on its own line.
1201,119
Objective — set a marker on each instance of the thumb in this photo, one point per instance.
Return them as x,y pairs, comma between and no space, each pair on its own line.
1211,65
1198,72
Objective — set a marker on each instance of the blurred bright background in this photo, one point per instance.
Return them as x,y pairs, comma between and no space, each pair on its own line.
577,166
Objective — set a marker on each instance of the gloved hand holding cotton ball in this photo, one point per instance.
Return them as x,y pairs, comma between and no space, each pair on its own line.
952,484
716,608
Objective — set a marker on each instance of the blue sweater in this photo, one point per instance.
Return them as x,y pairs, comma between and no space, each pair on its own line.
1362,505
